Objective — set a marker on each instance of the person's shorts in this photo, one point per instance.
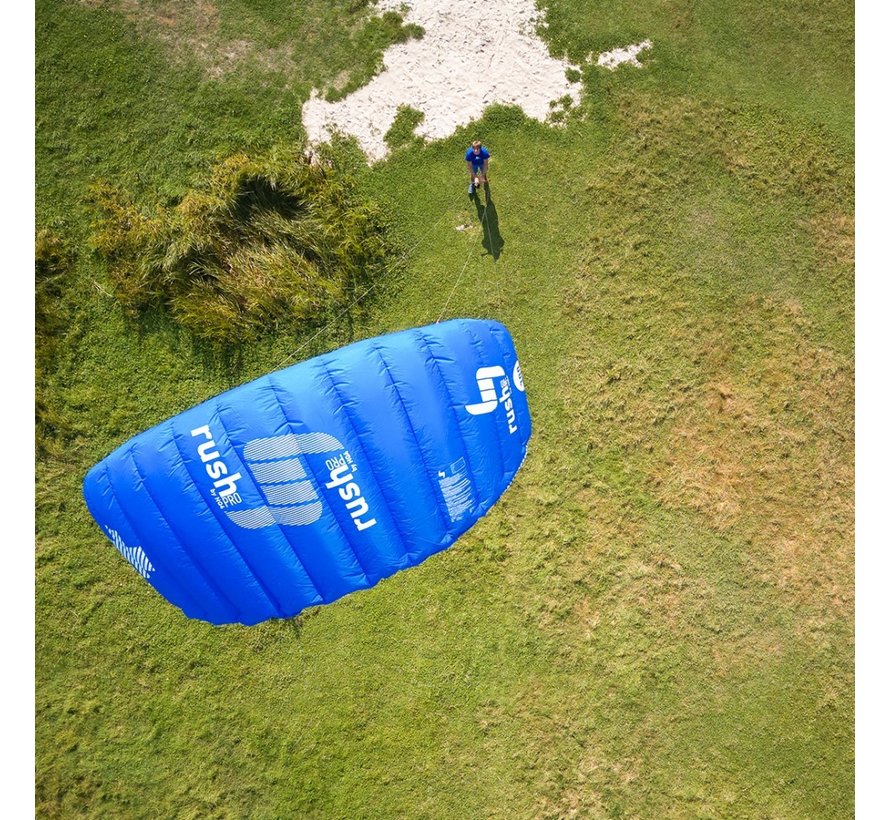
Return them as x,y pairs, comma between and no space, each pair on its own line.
478,169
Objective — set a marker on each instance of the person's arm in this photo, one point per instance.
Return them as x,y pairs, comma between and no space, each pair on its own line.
470,168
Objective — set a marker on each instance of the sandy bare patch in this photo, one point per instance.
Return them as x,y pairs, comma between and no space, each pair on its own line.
451,74
617,56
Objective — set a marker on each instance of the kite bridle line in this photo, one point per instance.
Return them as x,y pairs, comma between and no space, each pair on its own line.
497,279
459,277
376,284
361,296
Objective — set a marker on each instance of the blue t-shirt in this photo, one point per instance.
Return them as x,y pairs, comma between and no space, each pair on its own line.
477,159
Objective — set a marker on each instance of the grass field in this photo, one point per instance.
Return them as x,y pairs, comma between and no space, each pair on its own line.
657,618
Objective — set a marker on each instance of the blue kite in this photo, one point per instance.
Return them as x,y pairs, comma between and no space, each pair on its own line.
320,479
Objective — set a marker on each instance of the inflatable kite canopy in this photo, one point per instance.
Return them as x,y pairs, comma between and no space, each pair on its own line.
320,479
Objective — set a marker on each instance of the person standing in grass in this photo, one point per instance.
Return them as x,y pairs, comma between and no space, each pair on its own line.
477,157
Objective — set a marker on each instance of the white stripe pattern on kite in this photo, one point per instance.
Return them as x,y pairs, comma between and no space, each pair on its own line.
290,444
135,555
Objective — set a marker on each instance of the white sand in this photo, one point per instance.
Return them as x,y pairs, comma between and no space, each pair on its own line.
612,59
451,74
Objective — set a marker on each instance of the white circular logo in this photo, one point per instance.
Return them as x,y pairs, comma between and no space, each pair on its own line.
517,378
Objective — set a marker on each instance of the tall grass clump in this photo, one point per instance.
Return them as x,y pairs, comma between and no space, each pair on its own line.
263,242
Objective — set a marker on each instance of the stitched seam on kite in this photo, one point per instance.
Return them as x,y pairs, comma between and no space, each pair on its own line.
426,343
324,367
188,552
219,523
277,524
121,508
315,478
387,501
497,339
272,599
477,344
435,494
198,569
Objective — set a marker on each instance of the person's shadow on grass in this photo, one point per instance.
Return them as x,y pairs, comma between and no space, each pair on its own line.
492,240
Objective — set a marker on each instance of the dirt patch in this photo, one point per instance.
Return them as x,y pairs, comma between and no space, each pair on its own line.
192,29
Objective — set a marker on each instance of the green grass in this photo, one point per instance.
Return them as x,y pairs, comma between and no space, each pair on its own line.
657,617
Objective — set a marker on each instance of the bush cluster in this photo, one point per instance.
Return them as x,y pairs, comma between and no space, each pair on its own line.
263,242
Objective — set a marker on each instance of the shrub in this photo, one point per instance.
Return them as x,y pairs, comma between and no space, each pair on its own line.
263,242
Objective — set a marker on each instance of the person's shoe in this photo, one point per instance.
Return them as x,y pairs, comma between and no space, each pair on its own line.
472,189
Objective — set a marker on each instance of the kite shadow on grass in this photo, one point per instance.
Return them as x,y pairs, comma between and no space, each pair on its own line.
492,240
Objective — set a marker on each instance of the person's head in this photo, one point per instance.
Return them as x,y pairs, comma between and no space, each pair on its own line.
477,146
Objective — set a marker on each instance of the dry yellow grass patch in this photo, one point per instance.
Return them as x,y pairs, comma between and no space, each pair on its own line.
766,451
193,29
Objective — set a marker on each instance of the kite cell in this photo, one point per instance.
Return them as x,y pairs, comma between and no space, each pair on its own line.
321,479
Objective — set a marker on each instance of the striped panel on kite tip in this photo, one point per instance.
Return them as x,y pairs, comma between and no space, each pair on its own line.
321,479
